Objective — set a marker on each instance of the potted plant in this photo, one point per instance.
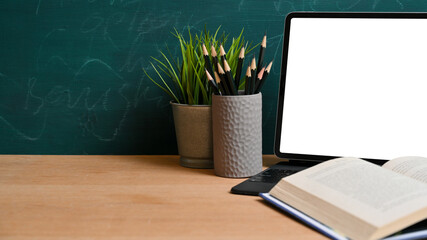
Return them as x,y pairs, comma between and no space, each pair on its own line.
184,80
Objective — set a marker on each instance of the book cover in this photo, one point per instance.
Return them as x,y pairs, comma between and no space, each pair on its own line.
418,231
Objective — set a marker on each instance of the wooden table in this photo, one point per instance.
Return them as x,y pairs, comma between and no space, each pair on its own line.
130,197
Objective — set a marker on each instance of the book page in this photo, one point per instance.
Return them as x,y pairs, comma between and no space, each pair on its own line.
414,167
363,189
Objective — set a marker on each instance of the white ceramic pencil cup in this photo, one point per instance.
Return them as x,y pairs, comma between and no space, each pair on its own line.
237,135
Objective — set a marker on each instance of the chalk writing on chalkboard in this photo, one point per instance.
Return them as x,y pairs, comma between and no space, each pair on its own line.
71,79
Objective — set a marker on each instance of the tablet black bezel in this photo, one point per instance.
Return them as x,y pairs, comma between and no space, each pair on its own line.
289,17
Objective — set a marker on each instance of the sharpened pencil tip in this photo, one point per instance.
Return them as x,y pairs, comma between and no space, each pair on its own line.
220,70
253,64
248,72
213,51
242,53
207,74
221,50
217,78
205,51
264,41
226,66
261,73
268,68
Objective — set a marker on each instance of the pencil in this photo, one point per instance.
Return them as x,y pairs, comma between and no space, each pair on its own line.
222,54
214,57
253,76
229,78
208,64
212,83
261,52
239,67
248,76
258,79
222,76
264,77
219,84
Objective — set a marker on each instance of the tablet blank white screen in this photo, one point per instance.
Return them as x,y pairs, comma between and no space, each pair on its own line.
356,87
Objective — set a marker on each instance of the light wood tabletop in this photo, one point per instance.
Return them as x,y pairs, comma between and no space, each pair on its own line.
131,197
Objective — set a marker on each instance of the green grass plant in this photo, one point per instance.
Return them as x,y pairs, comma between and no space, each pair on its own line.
183,78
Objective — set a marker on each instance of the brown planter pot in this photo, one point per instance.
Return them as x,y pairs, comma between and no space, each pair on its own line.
193,127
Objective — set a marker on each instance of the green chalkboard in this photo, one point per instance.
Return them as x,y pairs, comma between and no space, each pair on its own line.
71,79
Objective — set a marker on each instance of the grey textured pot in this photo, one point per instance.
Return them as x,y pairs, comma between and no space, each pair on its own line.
193,127
237,135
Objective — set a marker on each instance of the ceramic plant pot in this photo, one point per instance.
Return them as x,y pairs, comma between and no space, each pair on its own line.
237,134
193,127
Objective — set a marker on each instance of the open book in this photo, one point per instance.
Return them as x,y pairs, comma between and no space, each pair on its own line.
356,198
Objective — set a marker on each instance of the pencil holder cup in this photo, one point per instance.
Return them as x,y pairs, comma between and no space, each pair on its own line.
237,135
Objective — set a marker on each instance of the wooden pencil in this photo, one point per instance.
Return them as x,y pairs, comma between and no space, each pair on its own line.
248,77
258,79
253,76
261,52
264,77
219,84
239,67
229,78
222,76
208,64
222,54
214,57
212,83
